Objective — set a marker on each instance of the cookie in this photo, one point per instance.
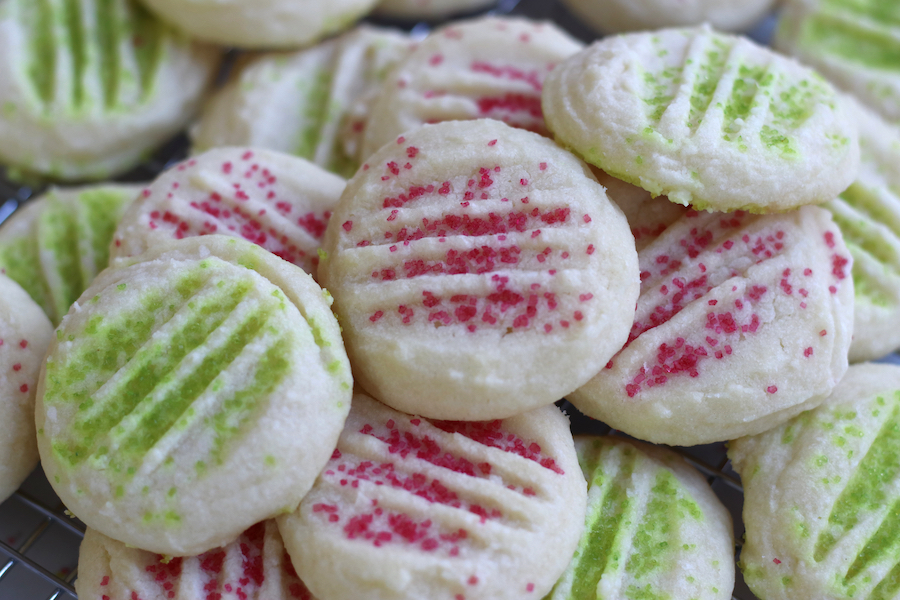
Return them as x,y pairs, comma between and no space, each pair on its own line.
478,271
654,528
255,566
275,200
868,213
493,67
707,119
743,322
57,243
616,16
215,408
820,495
260,24
409,508
90,88
647,216
25,334
428,9
312,103
853,44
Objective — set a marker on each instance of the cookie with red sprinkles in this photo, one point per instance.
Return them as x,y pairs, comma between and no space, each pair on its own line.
255,566
479,271
491,67
25,333
275,200
743,322
409,508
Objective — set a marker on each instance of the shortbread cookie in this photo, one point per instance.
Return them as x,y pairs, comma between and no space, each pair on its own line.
90,87
313,103
275,200
255,566
854,44
197,389
647,216
260,23
654,528
56,244
743,322
479,271
707,119
821,494
485,68
428,9
868,213
25,334
615,16
410,509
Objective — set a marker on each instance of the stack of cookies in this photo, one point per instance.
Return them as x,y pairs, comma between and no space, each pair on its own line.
270,381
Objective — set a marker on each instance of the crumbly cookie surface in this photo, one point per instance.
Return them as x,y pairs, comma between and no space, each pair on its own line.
478,270
709,120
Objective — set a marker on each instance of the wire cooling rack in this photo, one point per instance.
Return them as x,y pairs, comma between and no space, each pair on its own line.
39,541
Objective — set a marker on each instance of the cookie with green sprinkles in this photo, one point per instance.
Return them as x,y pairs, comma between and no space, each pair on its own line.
868,213
821,495
312,103
854,43
275,200
192,391
253,566
710,120
25,334
56,244
653,528
91,87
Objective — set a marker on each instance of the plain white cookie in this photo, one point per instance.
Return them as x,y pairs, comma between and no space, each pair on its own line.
479,271
707,119
410,509
821,494
87,98
854,44
25,334
255,566
57,243
654,528
615,16
259,24
275,200
428,9
743,322
492,67
868,213
216,406
313,103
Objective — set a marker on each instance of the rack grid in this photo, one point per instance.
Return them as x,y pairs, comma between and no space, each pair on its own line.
39,540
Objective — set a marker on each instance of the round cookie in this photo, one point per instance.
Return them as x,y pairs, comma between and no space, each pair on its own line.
57,243
868,213
821,494
647,216
707,119
25,334
312,103
214,407
654,528
259,24
853,44
743,322
255,566
478,271
428,9
90,87
410,509
275,200
492,67
615,16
